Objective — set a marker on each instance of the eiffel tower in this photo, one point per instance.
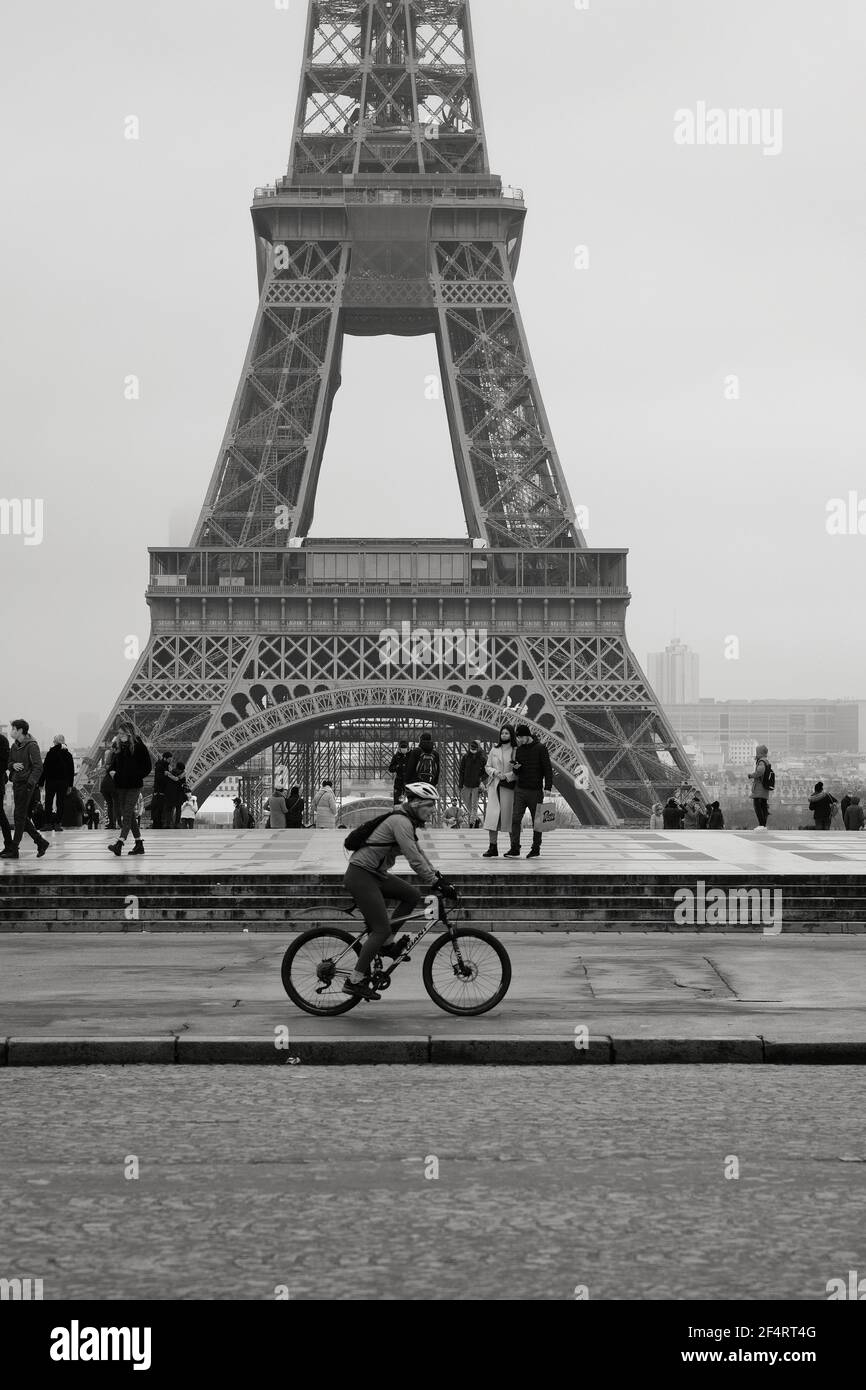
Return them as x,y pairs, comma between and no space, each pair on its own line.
390,221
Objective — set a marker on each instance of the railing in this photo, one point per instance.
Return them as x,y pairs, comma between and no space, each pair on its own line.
396,196
358,589
317,625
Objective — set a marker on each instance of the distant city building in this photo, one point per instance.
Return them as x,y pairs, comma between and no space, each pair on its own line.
675,675
231,787
726,732
741,752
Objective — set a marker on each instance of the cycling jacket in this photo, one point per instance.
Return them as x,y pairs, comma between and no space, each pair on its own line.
394,836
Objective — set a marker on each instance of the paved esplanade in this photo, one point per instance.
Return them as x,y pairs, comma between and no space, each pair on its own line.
314,1181
754,992
626,852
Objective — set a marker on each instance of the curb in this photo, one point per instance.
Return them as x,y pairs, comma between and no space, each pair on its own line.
425,1051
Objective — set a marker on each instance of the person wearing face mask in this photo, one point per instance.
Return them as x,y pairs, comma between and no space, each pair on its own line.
501,781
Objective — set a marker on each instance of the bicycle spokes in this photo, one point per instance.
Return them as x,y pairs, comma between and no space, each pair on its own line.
321,968
467,972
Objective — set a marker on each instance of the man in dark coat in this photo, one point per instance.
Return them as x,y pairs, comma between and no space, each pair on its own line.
58,775
397,769
25,769
423,763
295,808
159,802
534,778
673,815
821,805
176,792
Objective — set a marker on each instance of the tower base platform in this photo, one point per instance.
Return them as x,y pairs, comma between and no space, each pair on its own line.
585,881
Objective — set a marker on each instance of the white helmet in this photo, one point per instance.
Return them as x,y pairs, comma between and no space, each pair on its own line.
421,791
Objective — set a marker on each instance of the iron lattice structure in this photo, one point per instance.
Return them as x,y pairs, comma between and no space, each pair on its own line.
389,221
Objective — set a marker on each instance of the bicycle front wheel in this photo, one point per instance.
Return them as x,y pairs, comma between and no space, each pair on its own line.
467,972
311,976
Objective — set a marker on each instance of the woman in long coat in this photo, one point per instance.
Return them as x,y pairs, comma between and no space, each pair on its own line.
325,808
501,781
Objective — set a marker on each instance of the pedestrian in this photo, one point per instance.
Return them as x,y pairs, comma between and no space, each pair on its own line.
159,801
397,769
763,782
656,817
716,820
25,769
91,814
423,763
58,775
242,817
130,764
823,805
501,782
473,768
277,809
844,804
73,809
176,793
296,808
5,827
106,789
693,815
325,807
534,778
188,812
854,815
672,815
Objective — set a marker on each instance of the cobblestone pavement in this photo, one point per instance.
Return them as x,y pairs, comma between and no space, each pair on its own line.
548,1178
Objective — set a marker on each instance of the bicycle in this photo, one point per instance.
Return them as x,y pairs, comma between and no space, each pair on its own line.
472,962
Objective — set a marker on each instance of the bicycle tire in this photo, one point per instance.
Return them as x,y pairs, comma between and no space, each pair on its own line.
478,1008
303,1001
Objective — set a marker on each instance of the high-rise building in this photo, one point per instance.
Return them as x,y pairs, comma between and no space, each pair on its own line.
675,674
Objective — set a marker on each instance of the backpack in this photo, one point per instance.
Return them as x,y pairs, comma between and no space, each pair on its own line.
359,837
426,769
768,780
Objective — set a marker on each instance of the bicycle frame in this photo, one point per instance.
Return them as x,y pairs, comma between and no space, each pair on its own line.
435,916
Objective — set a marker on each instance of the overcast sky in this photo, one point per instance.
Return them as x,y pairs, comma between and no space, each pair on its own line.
705,263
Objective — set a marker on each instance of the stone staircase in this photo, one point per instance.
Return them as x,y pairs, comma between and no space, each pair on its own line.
512,902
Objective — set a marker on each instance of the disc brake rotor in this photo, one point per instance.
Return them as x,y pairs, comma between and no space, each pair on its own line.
464,969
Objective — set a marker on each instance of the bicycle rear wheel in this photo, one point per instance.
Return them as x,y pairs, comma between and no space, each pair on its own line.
468,975
309,966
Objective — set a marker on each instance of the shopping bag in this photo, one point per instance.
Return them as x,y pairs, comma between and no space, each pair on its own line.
545,817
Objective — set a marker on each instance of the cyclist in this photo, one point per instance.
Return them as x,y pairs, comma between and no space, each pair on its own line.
369,881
